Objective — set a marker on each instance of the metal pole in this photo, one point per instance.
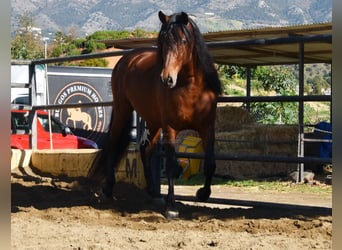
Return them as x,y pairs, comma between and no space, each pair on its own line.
300,169
248,86
33,101
47,94
259,158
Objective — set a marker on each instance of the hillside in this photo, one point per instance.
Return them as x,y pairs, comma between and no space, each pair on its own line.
87,16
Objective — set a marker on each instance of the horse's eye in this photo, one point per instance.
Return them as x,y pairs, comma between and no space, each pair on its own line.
184,41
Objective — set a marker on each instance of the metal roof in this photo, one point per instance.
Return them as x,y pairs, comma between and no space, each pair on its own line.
264,46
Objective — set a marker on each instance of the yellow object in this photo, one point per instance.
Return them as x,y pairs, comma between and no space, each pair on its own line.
190,144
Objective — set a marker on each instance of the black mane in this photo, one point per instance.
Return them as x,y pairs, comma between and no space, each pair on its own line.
168,34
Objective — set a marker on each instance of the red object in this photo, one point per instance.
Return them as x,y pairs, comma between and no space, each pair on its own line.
62,137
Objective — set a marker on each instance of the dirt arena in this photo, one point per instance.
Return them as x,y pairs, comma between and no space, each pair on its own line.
49,213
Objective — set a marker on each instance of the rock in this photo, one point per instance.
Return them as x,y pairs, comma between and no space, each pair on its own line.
307,178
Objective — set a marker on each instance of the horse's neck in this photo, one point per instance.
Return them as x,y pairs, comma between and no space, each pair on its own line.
194,75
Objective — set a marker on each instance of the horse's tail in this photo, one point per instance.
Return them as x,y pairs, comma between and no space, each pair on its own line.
113,149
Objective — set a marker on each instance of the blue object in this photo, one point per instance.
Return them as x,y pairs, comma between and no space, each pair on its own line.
325,148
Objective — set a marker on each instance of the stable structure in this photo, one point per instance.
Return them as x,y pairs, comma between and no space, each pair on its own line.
248,48
254,47
302,44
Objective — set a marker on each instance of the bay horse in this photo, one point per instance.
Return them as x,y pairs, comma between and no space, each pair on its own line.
173,87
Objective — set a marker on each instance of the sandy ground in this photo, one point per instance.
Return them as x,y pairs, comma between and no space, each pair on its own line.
50,213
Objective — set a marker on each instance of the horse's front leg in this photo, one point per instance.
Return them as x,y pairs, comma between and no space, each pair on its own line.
171,164
208,140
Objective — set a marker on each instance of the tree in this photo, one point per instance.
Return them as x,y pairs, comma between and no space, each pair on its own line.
59,44
232,71
27,43
283,82
317,84
231,76
277,78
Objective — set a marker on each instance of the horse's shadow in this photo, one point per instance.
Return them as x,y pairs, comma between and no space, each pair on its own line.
47,192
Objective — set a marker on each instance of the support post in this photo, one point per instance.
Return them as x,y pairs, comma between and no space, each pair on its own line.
300,168
248,86
33,101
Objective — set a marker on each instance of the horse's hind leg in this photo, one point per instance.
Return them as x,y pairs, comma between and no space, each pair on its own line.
121,125
107,188
151,169
208,140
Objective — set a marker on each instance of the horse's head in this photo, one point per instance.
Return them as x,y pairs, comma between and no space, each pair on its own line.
175,43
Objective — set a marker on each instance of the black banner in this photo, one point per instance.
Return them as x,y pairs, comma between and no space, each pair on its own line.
73,85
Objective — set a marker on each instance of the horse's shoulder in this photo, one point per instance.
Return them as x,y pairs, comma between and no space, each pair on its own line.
141,58
145,54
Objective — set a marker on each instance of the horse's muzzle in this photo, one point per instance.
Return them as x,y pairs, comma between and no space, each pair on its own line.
168,81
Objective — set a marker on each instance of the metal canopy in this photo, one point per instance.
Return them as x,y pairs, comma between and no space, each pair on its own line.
266,46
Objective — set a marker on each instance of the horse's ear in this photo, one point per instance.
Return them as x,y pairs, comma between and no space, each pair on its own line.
162,17
183,18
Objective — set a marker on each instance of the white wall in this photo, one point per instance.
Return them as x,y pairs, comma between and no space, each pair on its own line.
20,81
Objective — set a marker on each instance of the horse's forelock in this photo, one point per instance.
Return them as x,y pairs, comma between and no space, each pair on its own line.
169,31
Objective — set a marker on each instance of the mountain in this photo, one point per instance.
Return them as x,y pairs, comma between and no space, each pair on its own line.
87,16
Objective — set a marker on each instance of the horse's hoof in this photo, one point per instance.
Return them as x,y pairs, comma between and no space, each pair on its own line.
171,214
203,194
101,197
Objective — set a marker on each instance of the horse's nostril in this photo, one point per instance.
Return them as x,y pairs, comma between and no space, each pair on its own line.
169,80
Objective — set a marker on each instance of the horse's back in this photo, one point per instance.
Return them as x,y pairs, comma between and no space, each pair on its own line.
135,80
